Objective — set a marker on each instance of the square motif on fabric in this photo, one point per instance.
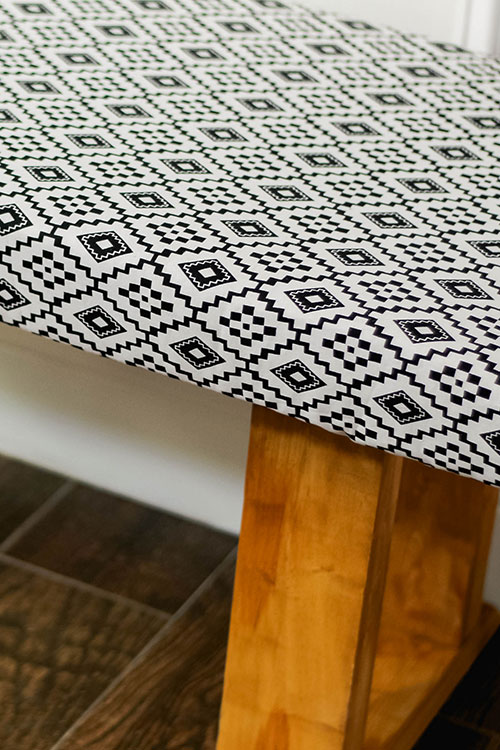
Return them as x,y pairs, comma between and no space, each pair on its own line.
12,219
10,298
298,376
311,300
402,407
206,274
104,245
198,354
99,322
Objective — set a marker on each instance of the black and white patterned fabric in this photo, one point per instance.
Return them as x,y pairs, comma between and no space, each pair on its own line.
288,207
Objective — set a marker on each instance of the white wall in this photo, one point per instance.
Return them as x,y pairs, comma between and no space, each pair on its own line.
482,30
472,23
442,19
134,432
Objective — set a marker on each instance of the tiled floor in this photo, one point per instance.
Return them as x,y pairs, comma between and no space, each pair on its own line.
113,627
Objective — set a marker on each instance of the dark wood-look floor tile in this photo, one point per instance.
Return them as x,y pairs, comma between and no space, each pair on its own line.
476,700
444,734
60,647
171,699
23,489
130,549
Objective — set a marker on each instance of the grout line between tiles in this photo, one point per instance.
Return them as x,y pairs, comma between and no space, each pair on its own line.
52,575
37,515
148,647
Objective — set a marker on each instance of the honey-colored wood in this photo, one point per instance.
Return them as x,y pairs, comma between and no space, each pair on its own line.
373,601
357,603
433,601
314,504
412,680
438,555
479,564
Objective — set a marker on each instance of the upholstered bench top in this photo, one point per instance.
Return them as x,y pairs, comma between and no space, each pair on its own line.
287,207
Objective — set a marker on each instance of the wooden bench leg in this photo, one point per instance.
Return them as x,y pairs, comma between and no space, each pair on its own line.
358,594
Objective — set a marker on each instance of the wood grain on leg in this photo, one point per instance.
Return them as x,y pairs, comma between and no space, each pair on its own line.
352,621
315,503
433,622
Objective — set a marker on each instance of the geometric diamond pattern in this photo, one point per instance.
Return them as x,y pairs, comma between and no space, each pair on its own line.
463,289
402,407
99,322
197,353
298,376
420,331
310,300
292,208
490,248
12,219
104,245
11,298
493,439
206,274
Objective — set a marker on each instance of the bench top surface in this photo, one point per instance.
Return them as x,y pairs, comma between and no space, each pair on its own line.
287,207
